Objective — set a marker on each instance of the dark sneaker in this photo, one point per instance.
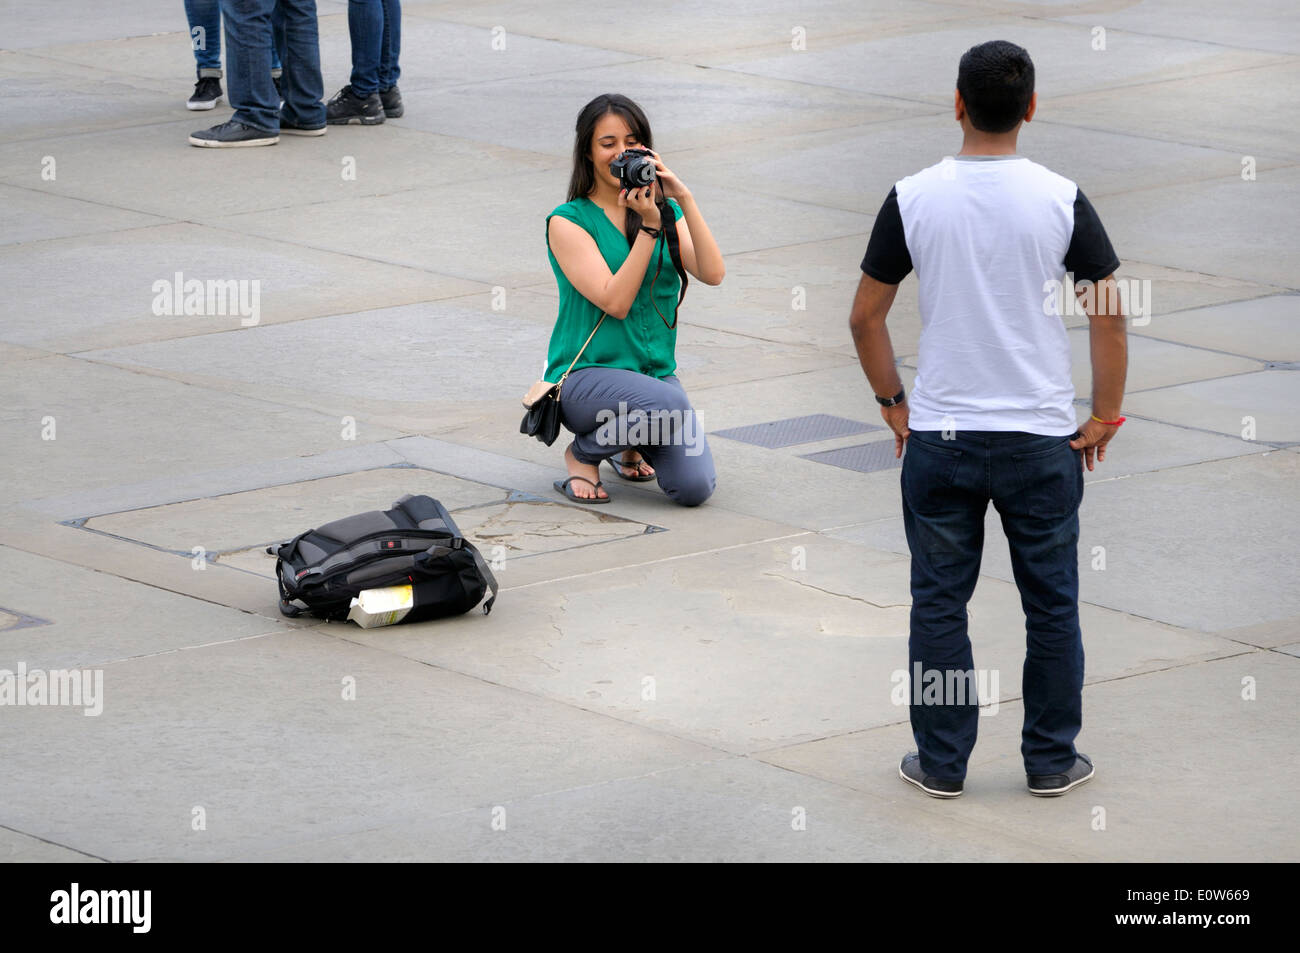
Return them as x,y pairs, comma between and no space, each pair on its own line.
290,128
391,98
1054,785
910,771
347,107
231,135
207,93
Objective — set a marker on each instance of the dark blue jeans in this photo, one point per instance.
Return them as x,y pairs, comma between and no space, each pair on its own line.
1036,485
207,43
375,27
250,27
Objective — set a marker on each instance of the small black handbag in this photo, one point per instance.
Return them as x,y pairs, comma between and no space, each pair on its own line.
542,402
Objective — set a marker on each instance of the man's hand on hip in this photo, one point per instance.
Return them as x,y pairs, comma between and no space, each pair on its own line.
896,417
1092,439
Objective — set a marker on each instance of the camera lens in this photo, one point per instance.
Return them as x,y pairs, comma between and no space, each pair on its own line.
641,171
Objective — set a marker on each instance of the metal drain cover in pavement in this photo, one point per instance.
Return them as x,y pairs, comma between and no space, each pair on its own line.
796,430
865,457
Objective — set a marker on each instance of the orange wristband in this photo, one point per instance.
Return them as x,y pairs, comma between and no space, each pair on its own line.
1109,423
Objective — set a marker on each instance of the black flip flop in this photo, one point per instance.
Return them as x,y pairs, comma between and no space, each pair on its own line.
619,465
563,487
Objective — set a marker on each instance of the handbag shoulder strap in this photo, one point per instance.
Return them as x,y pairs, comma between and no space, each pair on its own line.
579,354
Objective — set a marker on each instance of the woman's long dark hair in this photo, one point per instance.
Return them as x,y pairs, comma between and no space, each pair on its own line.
583,179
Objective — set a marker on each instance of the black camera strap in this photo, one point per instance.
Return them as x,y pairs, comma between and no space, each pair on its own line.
668,221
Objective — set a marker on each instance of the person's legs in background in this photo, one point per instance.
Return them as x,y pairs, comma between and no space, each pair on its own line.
256,121
299,35
248,62
389,52
1038,486
945,496
359,101
277,57
204,17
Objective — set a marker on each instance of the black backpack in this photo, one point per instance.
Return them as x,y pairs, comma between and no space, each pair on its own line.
416,543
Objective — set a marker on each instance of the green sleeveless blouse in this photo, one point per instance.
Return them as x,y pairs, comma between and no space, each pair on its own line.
641,342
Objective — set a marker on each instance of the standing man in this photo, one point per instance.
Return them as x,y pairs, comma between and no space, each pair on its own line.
991,416
259,119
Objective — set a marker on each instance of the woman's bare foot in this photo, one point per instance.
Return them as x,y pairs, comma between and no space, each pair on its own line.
587,471
634,465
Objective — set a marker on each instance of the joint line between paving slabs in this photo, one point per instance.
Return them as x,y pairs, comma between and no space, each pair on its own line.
54,843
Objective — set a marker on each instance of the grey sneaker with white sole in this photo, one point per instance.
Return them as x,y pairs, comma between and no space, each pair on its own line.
1054,785
910,771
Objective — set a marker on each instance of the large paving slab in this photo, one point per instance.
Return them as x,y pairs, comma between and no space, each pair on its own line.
90,618
1266,328
107,291
1064,59
260,737
1270,26
735,809
73,21
1188,109
84,402
688,31
66,99
1261,406
1232,805
1242,243
32,216
181,181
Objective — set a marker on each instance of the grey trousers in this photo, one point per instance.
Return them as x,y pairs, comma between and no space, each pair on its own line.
610,410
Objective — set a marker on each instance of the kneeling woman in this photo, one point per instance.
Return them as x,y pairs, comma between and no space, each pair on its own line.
613,266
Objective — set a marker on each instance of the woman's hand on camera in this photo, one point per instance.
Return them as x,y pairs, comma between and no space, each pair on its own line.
674,188
641,201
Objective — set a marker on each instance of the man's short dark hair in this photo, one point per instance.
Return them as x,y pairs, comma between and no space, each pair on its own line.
996,81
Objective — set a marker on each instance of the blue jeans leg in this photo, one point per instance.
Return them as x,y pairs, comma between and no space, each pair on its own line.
302,83
391,45
248,62
945,496
204,17
366,29
1037,489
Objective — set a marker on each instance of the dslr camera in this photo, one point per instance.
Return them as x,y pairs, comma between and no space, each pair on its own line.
635,168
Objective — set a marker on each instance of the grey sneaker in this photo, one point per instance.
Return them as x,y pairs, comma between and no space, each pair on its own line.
910,771
231,134
1054,785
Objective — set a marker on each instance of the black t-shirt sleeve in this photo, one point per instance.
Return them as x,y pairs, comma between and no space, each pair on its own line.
1090,256
887,258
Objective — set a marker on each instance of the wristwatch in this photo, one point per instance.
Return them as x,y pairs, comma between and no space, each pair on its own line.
891,401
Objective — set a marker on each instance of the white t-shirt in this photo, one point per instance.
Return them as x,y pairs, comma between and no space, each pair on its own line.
987,236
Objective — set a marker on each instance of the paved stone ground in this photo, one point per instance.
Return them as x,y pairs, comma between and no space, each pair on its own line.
416,299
